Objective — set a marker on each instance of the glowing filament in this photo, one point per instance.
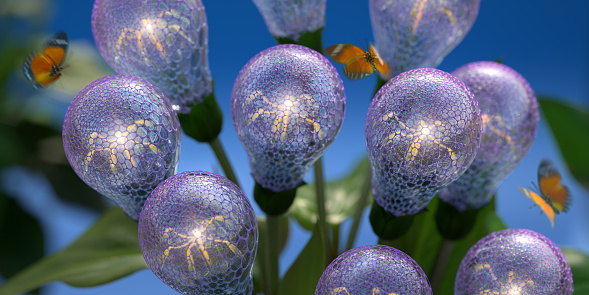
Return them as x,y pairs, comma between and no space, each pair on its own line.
283,112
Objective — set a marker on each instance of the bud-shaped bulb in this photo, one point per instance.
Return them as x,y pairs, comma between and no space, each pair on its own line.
164,42
199,234
122,137
423,130
411,34
287,106
510,119
291,18
514,261
371,270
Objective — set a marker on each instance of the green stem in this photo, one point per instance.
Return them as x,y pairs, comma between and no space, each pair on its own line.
441,262
320,198
272,253
223,160
335,252
365,191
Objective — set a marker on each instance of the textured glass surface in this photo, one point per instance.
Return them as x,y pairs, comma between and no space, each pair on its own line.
371,270
423,130
412,34
199,234
514,261
291,18
510,118
122,138
287,106
163,41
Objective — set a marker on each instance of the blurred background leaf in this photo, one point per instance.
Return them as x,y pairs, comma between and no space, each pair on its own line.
108,251
570,126
579,263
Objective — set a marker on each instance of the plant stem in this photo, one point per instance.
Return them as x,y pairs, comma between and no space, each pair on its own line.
223,160
320,197
441,262
335,252
272,253
365,191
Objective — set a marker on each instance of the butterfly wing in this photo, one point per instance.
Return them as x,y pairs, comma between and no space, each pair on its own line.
37,70
538,200
344,53
379,63
549,180
56,48
358,68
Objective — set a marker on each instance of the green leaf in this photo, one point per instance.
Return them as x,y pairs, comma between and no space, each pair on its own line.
579,263
108,251
341,198
22,235
260,262
305,272
570,126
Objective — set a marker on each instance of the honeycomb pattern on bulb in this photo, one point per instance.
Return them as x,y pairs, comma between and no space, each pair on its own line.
287,106
163,42
198,233
514,261
411,34
287,18
423,130
371,270
510,119
122,137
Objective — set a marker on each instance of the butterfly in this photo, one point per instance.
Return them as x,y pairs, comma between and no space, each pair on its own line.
553,197
43,68
357,62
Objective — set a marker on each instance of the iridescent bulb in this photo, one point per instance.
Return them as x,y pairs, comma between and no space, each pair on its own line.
412,34
287,106
423,130
163,41
514,261
371,270
510,118
122,138
291,18
198,233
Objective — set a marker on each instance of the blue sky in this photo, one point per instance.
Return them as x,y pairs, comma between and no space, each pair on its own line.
548,43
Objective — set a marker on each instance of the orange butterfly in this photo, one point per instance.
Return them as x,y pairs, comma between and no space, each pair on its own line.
43,68
357,62
553,196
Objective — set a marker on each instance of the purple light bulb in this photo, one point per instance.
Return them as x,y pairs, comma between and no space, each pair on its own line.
514,261
510,119
423,130
287,106
199,234
411,34
373,269
288,18
164,42
122,138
